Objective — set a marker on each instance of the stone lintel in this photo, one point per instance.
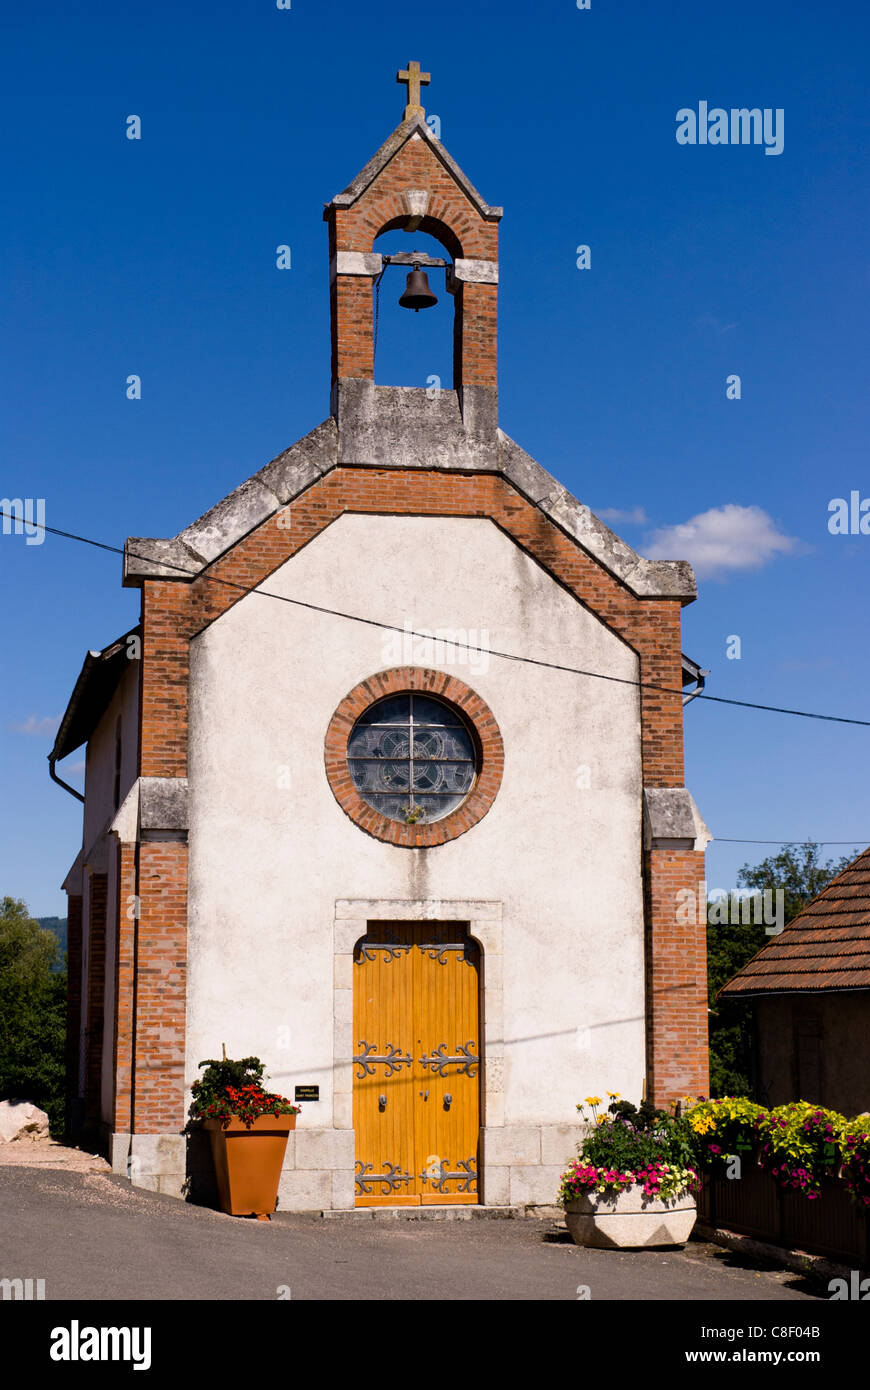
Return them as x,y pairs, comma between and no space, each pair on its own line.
355,263
475,272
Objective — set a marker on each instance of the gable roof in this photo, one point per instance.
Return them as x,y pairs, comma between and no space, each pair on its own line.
96,684
414,128
407,431
826,947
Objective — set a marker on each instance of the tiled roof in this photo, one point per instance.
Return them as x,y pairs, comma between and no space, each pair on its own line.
827,946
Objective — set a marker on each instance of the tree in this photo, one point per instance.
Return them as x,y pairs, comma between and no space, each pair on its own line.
33,1012
800,873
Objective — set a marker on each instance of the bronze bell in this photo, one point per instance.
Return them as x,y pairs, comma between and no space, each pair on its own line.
417,294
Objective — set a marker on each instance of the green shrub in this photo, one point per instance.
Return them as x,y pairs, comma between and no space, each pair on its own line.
33,1013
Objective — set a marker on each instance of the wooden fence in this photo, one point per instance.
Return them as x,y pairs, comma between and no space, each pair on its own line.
755,1205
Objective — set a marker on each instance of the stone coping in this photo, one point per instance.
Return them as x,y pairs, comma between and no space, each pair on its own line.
382,427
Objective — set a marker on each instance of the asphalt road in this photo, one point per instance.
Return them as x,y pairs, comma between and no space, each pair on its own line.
91,1236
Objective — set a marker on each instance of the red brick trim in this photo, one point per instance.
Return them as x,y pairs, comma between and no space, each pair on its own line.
174,611
159,1021
453,220
97,904
127,916
490,753
676,976
73,1002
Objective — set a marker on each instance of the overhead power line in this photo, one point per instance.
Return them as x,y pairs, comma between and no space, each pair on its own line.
471,646
724,840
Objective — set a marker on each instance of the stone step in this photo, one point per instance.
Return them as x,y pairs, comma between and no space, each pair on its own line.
445,1213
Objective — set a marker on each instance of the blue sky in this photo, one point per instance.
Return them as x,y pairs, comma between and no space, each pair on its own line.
157,257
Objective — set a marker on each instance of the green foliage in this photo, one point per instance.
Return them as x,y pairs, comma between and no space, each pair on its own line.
722,1128
218,1075
800,873
635,1140
33,1011
234,1090
59,927
628,1146
855,1145
730,946
801,1143
798,1144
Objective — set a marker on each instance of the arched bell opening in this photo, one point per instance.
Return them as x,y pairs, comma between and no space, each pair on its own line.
414,340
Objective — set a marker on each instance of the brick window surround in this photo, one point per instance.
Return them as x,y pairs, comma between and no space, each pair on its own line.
480,719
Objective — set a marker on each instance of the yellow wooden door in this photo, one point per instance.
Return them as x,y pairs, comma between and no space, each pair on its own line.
416,1065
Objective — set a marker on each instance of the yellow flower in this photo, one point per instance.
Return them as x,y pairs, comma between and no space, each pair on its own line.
593,1100
601,1120
614,1095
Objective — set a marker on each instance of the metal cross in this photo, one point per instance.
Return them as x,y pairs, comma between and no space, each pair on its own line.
413,78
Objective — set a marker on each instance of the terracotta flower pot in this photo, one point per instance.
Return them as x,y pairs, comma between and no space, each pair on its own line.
247,1162
628,1220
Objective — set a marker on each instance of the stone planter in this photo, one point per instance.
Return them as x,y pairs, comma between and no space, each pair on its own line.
628,1220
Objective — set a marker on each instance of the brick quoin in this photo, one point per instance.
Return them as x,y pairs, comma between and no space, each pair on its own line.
124,987
73,1000
158,1025
97,900
676,977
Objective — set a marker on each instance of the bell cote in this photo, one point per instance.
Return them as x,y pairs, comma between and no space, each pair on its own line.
412,183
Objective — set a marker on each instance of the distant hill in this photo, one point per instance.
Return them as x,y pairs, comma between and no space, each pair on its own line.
58,926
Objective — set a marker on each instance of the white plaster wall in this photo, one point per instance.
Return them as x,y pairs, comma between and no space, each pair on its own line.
267,862
99,807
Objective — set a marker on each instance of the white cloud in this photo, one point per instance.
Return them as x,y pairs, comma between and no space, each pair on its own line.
724,540
635,517
41,727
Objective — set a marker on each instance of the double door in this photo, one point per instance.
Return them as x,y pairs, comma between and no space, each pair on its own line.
416,1065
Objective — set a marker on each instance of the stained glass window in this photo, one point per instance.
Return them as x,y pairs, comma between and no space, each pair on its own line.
412,758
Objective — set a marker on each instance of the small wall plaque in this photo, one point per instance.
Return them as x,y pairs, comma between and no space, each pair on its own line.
306,1093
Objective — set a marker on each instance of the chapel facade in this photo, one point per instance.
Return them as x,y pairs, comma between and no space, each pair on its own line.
325,823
